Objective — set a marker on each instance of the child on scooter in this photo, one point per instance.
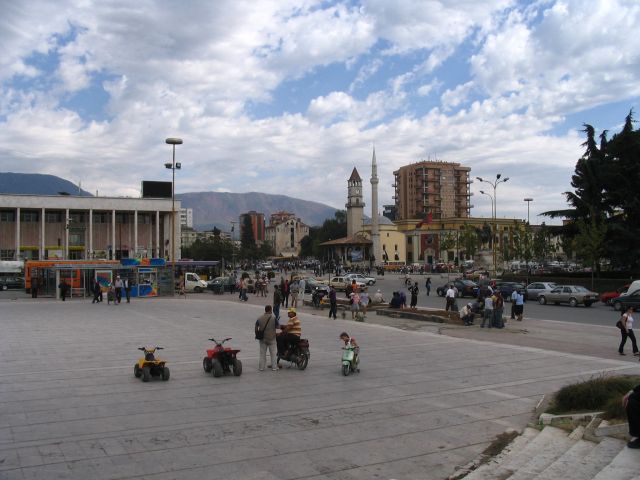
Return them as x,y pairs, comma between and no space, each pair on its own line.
344,336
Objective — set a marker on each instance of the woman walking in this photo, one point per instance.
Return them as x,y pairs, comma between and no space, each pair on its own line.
626,330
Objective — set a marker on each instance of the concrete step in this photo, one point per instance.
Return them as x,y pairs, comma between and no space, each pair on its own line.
486,471
541,453
567,462
625,466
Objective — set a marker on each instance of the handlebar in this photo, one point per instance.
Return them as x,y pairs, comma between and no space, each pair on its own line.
220,343
144,349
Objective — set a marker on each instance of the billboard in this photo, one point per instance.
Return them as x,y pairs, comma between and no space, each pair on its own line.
151,189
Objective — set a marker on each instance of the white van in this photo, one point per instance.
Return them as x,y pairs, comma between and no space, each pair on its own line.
193,283
635,285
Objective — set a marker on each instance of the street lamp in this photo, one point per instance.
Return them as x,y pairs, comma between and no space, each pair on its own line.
173,166
528,200
494,184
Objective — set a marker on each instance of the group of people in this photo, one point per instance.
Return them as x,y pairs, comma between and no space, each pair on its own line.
281,345
115,291
489,307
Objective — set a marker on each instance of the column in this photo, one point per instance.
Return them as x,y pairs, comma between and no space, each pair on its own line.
90,252
113,233
42,234
135,234
67,221
17,254
159,252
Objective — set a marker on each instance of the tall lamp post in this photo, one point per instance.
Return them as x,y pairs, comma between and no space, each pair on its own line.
173,166
498,180
528,200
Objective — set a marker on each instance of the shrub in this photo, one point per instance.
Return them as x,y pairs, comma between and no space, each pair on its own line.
601,393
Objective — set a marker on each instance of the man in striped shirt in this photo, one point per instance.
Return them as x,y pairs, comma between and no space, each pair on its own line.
290,335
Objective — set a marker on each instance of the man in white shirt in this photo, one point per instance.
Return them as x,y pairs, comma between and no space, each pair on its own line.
488,311
450,297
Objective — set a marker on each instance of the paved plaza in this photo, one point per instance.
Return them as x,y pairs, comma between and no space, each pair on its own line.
423,403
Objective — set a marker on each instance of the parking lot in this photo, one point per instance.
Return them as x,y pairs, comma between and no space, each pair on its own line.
422,404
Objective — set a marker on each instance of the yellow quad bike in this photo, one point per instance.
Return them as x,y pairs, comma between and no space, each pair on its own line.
150,366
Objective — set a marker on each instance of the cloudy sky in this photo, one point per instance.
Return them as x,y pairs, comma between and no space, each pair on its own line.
284,96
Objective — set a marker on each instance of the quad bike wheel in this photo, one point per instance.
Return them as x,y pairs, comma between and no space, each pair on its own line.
346,370
146,374
137,372
206,364
302,361
237,367
165,373
217,368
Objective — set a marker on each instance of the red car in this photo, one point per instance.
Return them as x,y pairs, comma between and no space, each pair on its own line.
607,297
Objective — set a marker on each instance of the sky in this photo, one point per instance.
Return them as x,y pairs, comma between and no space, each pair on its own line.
286,97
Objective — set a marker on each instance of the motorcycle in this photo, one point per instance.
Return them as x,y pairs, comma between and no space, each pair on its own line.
221,359
350,359
298,354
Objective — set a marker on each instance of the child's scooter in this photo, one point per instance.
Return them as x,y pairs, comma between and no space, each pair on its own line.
222,359
350,359
150,366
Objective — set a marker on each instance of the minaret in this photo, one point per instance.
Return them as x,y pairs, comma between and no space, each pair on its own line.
355,204
375,227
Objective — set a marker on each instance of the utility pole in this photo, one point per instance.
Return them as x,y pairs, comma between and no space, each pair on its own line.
233,244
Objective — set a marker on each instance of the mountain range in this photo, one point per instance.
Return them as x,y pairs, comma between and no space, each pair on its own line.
210,209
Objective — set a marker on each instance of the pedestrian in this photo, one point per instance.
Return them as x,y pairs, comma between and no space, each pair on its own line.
97,291
631,404
519,308
333,302
514,298
285,294
302,285
414,295
450,297
127,289
626,330
488,312
498,308
364,301
63,289
265,329
293,290
118,288
427,286
277,300
34,287
354,302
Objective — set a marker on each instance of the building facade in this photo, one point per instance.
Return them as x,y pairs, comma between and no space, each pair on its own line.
284,233
186,217
355,204
41,227
438,189
256,220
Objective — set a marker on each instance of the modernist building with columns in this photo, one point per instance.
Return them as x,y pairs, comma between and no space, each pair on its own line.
43,227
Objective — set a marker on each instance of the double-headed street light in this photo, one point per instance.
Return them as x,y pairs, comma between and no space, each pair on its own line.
494,184
528,200
173,166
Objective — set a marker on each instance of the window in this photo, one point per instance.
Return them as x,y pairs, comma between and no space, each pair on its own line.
53,217
100,217
29,216
7,254
144,219
122,217
7,216
77,217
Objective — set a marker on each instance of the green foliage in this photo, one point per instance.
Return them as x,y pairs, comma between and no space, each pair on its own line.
594,395
306,246
246,233
331,229
542,246
522,241
447,242
469,240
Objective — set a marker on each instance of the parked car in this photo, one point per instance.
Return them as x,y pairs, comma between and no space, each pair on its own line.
627,300
574,295
534,289
311,284
222,284
361,278
507,288
7,283
608,297
466,288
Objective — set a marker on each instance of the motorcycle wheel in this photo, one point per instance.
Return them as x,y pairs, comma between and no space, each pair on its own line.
136,371
346,369
206,364
237,367
146,374
302,361
165,374
217,368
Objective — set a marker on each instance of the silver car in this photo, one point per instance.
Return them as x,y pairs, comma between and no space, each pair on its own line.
574,295
358,277
536,288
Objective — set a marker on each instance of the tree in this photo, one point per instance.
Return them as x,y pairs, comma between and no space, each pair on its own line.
542,246
246,233
306,246
447,242
469,240
590,242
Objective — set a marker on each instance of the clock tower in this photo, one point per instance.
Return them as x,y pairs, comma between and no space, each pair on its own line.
355,204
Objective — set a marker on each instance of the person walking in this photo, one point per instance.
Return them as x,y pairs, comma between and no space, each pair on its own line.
488,311
414,295
333,303
34,287
626,330
302,285
450,297
97,291
519,308
266,334
514,298
285,294
277,300
127,289
293,290
498,308
427,286
118,286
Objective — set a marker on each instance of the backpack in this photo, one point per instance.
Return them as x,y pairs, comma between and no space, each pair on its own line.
260,333
619,323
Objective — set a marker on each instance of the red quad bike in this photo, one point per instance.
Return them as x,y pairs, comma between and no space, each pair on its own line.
221,360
